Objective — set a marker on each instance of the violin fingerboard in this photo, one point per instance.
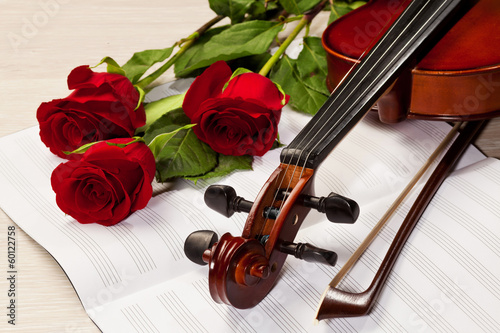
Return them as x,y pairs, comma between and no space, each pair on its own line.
411,36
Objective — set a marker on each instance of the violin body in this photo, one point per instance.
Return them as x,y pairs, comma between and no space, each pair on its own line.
457,80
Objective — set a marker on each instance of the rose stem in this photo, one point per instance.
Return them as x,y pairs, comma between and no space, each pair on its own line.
304,21
186,44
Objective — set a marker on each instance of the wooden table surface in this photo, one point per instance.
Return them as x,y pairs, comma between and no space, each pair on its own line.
41,41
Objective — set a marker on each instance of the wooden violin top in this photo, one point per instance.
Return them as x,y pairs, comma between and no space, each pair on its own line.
456,80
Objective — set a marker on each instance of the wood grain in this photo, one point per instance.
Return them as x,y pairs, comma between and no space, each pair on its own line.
41,41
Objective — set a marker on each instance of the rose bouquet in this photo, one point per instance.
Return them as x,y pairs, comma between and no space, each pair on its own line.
116,143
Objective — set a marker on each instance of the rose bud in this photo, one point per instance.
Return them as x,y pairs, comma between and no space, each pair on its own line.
101,107
240,119
107,183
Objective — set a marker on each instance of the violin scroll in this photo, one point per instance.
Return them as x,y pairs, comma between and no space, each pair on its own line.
243,269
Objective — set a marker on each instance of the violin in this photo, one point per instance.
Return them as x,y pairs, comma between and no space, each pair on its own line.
455,81
243,269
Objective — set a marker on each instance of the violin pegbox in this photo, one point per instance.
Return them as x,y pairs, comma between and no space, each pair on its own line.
242,270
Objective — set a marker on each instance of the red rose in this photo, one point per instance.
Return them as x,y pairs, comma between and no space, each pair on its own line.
101,107
240,119
107,184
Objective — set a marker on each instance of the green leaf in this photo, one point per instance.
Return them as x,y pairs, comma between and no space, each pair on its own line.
239,40
357,4
160,141
142,61
234,9
184,155
277,143
123,145
263,10
280,89
181,65
238,71
156,109
339,9
226,165
113,66
168,122
304,79
142,95
312,66
82,149
298,7
302,98
258,9
253,63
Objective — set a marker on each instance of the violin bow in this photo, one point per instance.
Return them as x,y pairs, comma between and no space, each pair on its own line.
385,218
336,303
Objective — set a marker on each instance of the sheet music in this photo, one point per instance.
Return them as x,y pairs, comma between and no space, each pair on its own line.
134,277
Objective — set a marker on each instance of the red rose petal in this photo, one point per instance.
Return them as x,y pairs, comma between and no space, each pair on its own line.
107,184
85,77
78,76
209,84
102,107
254,87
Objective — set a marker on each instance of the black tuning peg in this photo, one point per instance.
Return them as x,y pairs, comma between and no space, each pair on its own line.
223,199
337,208
197,243
309,253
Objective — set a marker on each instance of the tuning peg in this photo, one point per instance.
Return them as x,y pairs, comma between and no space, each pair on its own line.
337,208
223,199
197,243
309,253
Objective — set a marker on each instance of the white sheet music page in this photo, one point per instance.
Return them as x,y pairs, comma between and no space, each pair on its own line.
134,276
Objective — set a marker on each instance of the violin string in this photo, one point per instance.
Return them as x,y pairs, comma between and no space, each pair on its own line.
285,172
361,65
346,76
366,75
350,79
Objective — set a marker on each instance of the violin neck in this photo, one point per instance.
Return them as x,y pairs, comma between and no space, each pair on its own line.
411,36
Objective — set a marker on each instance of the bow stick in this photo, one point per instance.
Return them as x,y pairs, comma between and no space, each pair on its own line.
336,303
